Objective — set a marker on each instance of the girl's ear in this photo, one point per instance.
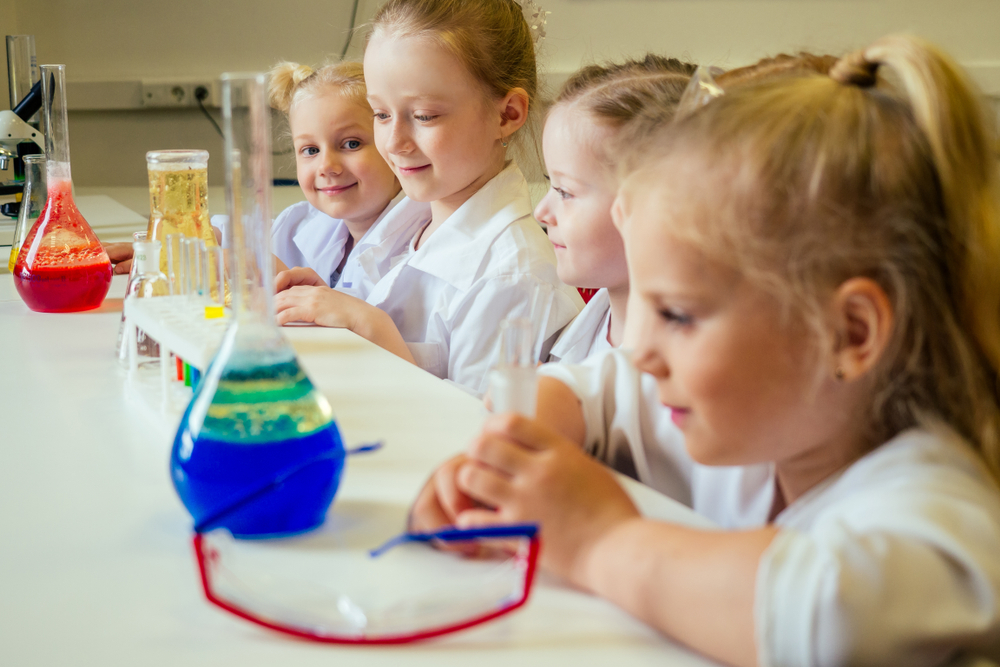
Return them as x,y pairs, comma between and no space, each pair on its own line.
513,111
863,321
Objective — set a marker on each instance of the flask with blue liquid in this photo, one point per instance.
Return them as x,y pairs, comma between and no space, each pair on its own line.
257,451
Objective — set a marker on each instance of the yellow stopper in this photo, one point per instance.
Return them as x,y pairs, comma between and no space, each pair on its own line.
214,312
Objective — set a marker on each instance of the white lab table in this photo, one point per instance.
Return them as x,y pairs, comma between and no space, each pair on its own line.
96,565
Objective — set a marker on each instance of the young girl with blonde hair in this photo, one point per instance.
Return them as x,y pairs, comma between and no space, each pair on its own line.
451,83
355,219
816,301
582,140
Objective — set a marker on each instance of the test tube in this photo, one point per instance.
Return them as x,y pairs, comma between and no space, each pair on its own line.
204,279
513,382
218,266
173,261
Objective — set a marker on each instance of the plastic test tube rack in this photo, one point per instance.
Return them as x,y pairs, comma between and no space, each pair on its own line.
179,325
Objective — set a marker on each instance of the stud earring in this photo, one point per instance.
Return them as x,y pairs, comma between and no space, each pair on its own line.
504,143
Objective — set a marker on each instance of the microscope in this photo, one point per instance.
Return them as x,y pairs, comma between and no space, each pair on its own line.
19,133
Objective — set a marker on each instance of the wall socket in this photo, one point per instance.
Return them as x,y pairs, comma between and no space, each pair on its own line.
177,94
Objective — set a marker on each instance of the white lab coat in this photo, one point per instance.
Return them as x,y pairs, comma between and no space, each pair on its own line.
893,561
587,334
302,235
481,266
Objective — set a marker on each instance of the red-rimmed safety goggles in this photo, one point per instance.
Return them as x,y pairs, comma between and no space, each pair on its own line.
329,586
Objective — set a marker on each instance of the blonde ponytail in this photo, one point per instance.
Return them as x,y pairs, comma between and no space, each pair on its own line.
290,82
858,174
285,77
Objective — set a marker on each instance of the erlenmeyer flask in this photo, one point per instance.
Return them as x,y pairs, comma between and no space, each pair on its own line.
255,417
61,266
32,202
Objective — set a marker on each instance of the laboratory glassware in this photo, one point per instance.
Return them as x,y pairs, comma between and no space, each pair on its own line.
61,266
32,201
255,415
178,199
22,68
513,381
146,281
329,586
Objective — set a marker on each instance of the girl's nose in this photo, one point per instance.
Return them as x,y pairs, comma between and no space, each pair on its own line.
640,336
332,165
543,212
398,141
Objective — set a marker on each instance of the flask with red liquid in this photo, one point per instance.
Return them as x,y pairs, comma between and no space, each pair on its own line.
61,266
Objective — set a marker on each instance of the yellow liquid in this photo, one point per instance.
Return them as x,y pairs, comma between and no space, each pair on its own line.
178,203
13,258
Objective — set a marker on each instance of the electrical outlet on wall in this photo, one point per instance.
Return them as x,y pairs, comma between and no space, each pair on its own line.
178,94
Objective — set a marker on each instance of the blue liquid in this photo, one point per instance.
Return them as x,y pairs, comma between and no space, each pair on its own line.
257,423
219,473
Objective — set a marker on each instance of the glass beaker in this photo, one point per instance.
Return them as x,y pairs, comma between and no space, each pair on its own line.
178,200
146,280
61,266
32,202
255,416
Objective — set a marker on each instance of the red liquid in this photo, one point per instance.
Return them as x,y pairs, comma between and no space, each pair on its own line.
62,267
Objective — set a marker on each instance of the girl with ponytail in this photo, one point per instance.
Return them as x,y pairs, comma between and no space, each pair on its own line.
355,219
814,262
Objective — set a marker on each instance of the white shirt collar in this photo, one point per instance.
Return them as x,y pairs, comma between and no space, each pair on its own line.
455,251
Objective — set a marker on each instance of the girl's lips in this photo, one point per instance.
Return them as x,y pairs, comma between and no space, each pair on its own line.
337,189
412,170
558,246
679,415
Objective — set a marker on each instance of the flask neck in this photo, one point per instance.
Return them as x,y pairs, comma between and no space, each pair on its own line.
54,114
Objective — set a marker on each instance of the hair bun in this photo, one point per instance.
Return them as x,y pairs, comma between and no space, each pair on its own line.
284,79
855,69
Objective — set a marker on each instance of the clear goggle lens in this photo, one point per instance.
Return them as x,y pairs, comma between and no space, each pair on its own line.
329,586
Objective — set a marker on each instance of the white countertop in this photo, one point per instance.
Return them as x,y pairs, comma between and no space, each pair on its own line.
96,565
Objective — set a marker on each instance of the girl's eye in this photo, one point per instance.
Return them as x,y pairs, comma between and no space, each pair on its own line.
352,145
562,193
309,151
423,118
381,115
676,318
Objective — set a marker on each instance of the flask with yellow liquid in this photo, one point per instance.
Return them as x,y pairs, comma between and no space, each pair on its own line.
178,204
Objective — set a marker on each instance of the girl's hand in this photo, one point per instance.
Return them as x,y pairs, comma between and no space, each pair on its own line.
319,305
440,501
527,472
297,276
120,255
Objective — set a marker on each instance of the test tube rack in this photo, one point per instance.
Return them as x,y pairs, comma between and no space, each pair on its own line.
179,325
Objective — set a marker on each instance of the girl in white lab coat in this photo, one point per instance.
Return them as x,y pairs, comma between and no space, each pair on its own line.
584,131
355,219
816,302
451,83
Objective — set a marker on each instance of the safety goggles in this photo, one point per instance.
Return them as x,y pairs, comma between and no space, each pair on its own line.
329,585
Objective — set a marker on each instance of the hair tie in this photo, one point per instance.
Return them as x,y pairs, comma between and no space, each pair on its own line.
535,16
701,90
855,69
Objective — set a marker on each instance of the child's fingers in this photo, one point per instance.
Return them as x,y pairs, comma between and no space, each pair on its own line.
529,433
500,453
487,485
451,499
122,268
480,518
427,515
294,314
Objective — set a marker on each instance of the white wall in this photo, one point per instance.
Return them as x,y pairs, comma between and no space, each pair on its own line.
118,40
